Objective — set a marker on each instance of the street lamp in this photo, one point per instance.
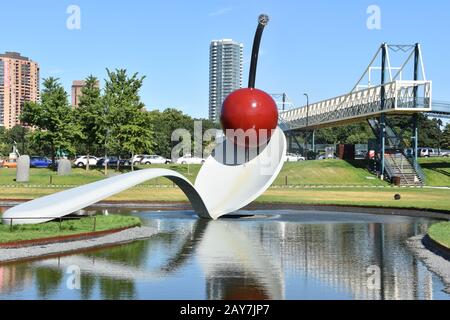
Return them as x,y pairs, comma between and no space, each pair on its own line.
307,108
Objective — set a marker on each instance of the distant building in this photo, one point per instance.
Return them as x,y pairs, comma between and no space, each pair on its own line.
77,86
225,73
19,83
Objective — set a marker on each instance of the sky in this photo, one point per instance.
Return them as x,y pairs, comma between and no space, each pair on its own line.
320,47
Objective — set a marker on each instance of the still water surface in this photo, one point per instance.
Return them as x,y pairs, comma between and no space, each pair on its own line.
270,255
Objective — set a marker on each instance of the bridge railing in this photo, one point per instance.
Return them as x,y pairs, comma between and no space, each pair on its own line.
399,95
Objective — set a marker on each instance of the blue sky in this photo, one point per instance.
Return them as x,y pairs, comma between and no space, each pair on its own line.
320,47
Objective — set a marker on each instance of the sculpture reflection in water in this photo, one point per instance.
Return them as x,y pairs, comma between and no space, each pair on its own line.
271,257
214,242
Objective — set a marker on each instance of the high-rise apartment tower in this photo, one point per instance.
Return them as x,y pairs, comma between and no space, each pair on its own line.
225,73
19,83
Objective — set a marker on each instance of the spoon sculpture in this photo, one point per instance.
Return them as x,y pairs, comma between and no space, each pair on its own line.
235,175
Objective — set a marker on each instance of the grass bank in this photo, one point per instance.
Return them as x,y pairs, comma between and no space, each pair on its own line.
325,172
440,233
67,228
414,198
47,177
345,184
437,171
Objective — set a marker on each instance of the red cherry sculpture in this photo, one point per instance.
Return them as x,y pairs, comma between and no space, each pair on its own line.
248,109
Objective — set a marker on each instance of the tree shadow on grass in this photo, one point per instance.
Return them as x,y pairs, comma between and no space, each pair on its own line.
359,164
439,167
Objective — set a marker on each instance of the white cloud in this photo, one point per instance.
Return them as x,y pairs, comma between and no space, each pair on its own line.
221,12
56,71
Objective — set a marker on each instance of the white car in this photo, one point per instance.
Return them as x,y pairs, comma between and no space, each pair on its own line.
326,157
188,159
82,161
428,153
290,157
154,160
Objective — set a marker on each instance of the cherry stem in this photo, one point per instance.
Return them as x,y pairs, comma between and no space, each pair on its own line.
263,20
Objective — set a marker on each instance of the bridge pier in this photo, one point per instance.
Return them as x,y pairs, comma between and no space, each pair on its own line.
383,105
382,145
416,139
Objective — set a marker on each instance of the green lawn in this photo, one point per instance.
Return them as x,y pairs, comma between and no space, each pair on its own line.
437,171
413,198
440,233
49,177
68,227
435,199
327,172
346,184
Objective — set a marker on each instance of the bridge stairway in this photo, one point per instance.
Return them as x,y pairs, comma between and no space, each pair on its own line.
397,164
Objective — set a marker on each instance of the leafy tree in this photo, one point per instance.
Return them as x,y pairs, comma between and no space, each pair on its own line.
3,143
170,120
52,118
136,136
90,116
167,122
446,137
124,119
350,134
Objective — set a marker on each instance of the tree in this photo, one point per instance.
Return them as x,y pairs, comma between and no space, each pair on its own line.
429,132
52,118
167,122
3,144
90,116
350,134
446,137
136,135
124,118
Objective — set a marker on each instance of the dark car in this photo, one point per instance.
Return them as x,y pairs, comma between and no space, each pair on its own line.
112,162
40,162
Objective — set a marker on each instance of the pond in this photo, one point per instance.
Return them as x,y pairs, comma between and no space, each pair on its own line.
253,255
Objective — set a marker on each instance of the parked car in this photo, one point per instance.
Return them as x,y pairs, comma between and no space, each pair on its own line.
325,157
112,162
291,157
137,159
409,152
40,162
360,154
428,152
189,159
10,164
445,154
82,161
155,160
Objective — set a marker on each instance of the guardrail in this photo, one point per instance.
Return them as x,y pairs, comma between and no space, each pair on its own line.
60,220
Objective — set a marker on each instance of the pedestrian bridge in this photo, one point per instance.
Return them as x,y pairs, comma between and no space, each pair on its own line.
401,91
400,97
